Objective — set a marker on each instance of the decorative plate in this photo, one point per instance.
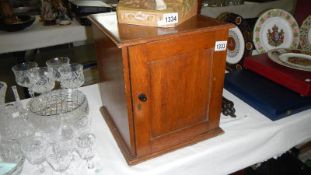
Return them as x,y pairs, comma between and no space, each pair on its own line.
275,28
239,40
292,58
235,46
305,34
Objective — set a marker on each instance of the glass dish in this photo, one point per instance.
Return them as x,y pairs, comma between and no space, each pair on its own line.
67,104
10,153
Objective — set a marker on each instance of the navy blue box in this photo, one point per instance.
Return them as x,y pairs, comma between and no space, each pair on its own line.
269,98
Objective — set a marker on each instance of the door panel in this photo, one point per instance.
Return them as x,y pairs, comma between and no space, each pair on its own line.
175,77
178,91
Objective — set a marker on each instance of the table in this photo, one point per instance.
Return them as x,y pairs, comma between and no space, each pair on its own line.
39,36
248,139
250,9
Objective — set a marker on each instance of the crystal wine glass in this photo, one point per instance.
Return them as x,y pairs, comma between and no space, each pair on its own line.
34,149
21,74
71,76
55,64
42,79
59,157
66,136
81,124
85,145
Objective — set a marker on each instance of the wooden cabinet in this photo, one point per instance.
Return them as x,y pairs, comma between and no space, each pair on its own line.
161,87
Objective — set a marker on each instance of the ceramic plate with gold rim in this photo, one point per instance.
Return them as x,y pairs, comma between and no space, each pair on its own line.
292,58
275,28
305,34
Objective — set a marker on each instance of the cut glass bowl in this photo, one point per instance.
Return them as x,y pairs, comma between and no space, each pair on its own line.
64,104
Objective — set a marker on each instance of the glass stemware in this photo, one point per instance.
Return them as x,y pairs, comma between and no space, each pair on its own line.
59,157
71,76
81,124
34,149
21,74
85,144
3,87
66,137
55,64
42,79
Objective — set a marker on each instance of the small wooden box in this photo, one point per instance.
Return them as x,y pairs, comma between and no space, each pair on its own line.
149,17
161,88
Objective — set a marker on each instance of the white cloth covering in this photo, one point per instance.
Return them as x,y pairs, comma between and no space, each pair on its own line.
39,36
248,139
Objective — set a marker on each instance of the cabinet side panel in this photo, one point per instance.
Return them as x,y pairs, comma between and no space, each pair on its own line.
218,69
112,84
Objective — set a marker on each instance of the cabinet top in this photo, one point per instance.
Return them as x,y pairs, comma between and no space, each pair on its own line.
126,34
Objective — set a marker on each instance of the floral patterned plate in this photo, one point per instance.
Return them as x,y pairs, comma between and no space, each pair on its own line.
275,28
305,34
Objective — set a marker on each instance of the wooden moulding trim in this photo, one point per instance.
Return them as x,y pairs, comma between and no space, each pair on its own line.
209,134
133,159
126,43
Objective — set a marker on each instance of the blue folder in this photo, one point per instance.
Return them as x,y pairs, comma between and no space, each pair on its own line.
269,98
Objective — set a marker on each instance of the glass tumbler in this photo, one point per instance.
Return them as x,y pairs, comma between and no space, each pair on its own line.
55,64
71,76
34,148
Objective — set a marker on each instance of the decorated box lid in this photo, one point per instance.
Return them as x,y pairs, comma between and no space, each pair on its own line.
159,13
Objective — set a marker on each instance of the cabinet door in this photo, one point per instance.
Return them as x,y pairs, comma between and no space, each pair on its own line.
174,89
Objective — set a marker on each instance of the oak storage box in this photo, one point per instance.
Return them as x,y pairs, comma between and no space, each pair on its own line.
161,88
